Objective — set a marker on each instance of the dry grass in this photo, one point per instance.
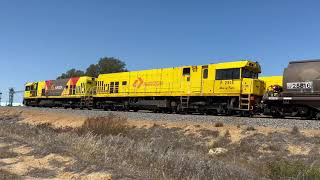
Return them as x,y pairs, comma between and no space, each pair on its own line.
222,140
7,175
41,173
105,143
104,125
250,128
208,133
268,156
283,169
295,131
154,153
6,152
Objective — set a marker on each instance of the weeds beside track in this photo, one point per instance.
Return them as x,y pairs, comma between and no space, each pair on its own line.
108,143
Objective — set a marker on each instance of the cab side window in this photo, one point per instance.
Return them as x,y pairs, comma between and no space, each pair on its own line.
228,74
249,74
205,73
186,72
27,88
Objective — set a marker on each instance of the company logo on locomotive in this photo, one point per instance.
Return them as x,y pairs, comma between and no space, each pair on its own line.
139,82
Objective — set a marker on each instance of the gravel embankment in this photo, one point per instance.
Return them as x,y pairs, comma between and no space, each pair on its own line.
256,121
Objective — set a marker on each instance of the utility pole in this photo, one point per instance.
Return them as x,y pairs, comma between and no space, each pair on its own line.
11,94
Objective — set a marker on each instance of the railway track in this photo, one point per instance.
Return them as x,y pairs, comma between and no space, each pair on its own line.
194,118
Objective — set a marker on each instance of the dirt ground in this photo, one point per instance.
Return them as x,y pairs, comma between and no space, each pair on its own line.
18,159
35,117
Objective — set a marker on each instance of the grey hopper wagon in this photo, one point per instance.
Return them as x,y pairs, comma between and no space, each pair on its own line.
301,91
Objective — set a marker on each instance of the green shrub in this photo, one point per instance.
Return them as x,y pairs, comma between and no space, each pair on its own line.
291,170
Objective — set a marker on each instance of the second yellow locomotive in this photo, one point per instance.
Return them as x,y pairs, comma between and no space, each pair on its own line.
72,92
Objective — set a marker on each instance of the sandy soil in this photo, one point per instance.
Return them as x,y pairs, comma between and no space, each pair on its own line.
19,159
57,120
26,164
35,117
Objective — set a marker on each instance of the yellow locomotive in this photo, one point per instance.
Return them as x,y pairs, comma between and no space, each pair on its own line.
222,88
71,92
214,88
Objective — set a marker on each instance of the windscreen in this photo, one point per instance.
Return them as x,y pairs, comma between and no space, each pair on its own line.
246,73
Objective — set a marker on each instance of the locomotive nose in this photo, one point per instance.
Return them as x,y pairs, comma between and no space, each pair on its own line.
258,87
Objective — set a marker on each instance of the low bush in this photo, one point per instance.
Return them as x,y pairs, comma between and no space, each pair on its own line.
44,126
8,175
104,125
218,124
6,152
282,169
222,140
250,128
295,130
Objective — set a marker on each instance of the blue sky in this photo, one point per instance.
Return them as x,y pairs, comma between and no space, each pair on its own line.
41,39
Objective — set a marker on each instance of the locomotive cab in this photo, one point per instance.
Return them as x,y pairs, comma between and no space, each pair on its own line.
31,89
30,92
239,82
252,87
27,89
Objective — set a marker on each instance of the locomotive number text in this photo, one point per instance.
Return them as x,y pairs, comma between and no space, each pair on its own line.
299,85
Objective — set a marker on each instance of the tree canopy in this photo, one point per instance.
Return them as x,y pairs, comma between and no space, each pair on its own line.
104,66
71,73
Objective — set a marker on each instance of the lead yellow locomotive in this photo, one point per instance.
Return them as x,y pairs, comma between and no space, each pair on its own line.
221,88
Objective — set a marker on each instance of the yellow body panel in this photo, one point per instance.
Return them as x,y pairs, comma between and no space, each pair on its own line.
179,81
271,81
